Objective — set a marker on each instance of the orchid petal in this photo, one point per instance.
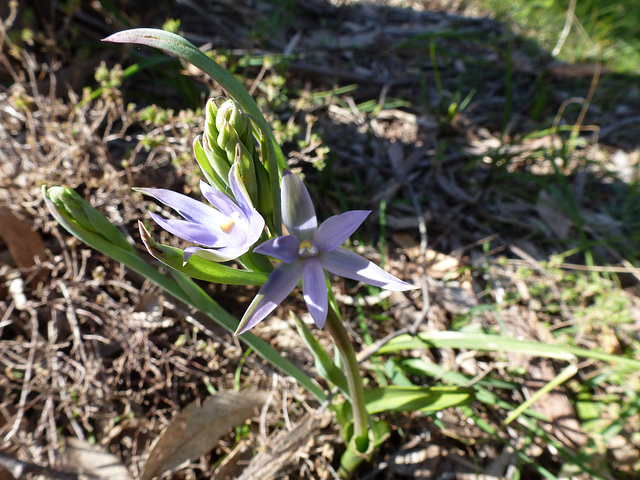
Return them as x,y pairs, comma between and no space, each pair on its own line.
218,199
298,213
351,265
207,235
239,190
255,228
280,283
283,248
335,230
314,286
189,208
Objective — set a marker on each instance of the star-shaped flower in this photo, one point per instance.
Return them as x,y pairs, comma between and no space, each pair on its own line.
307,252
224,230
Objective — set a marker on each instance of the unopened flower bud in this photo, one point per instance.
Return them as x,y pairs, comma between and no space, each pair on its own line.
80,218
247,172
229,112
229,138
211,110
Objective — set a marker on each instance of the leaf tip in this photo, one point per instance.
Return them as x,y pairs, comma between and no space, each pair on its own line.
114,38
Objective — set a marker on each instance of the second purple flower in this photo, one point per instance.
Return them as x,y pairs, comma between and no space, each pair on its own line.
226,230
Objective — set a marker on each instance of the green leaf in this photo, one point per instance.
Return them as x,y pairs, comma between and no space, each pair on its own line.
487,342
395,398
198,267
418,366
323,361
409,399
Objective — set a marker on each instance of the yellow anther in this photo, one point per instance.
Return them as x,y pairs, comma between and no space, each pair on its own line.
307,249
227,225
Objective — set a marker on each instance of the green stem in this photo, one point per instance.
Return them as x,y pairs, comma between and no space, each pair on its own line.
354,380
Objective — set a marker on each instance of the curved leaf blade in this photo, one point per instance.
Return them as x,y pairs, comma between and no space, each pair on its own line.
408,399
489,342
197,267
180,47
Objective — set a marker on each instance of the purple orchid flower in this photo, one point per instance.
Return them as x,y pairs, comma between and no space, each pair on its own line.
226,230
307,252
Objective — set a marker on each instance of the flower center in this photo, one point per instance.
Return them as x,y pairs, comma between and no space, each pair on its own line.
227,224
307,249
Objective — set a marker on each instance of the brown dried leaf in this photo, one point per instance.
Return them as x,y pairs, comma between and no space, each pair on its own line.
196,430
23,242
94,460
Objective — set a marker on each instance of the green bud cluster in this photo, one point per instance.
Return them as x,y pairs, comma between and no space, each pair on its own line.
80,218
229,137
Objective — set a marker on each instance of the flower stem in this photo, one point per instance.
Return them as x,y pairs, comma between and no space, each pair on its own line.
354,380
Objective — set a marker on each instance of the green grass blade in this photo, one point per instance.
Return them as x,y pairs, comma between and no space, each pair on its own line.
559,379
409,399
488,342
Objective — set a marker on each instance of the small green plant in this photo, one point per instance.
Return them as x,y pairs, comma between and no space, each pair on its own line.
155,116
171,25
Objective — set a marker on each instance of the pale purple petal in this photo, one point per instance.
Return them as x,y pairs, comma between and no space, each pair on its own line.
283,248
335,230
255,228
280,283
314,286
191,209
239,191
298,213
218,199
209,236
351,265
